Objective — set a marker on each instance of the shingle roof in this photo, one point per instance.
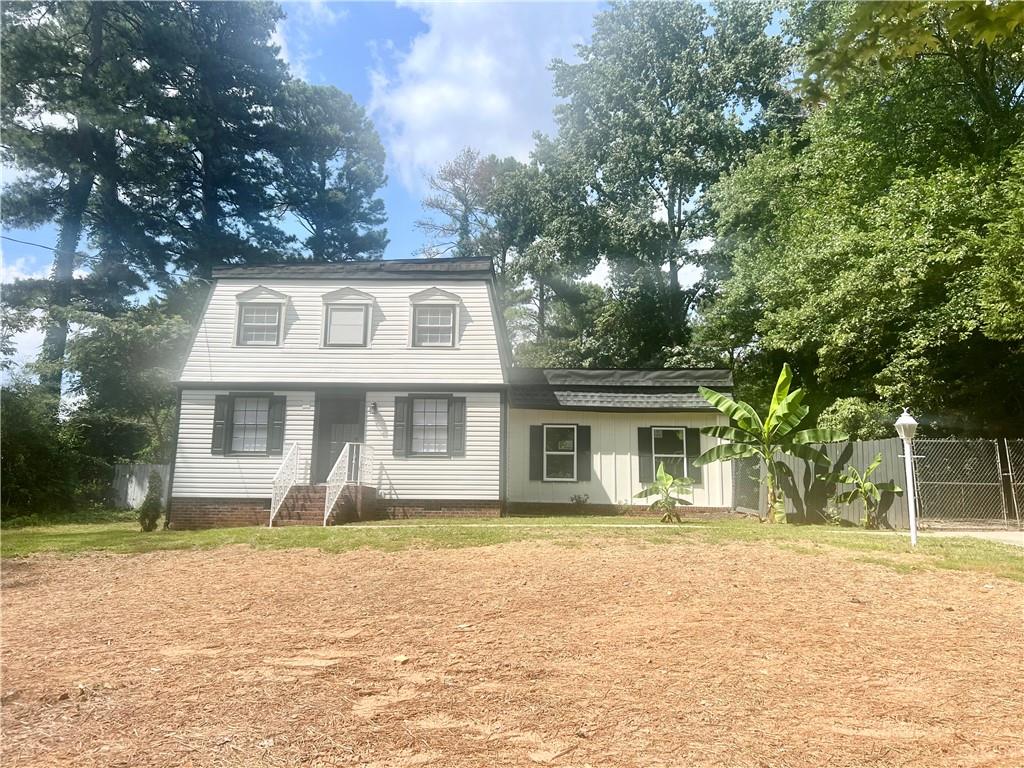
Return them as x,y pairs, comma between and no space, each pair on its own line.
395,269
621,389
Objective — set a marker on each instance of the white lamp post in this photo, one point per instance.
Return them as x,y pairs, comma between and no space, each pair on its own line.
906,426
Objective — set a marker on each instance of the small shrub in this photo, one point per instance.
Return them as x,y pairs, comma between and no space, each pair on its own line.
669,491
579,500
152,505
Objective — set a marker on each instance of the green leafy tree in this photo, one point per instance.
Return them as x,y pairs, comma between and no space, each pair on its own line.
332,166
865,490
663,100
40,461
766,438
458,221
873,246
125,368
210,195
670,491
73,97
860,419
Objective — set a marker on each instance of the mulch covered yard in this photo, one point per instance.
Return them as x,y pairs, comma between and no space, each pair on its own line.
605,654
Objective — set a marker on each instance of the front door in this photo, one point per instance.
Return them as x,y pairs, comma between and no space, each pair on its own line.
339,420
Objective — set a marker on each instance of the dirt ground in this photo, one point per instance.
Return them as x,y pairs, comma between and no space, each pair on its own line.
607,654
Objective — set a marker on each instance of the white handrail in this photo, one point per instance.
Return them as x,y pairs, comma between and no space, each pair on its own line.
336,480
284,479
353,465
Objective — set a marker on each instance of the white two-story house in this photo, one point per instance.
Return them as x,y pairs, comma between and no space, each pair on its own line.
307,383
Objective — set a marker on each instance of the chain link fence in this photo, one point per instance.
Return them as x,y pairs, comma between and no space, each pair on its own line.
1015,476
961,483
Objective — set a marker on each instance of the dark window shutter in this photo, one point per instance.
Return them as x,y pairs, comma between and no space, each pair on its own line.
536,452
692,452
645,452
400,433
275,431
457,426
582,453
220,424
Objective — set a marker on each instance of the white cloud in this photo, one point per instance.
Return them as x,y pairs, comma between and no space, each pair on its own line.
689,274
296,65
292,34
21,268
477,77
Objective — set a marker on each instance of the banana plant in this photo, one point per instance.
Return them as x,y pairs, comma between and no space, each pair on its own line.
670,490
864,489
766,438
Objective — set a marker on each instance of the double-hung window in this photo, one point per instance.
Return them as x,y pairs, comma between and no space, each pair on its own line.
429,425
345,325
259,324
433,325
669,448
250,424
560,452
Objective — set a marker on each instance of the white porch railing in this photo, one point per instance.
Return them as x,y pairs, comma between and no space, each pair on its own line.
284,479
355,466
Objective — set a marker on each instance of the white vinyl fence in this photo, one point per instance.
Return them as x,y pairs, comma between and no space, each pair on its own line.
131,482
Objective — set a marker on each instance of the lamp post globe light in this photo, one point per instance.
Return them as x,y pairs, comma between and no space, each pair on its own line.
906,427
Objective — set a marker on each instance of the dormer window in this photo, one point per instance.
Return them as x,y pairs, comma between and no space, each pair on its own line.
259,324
435,319
433,325
345,325
261,314
347,315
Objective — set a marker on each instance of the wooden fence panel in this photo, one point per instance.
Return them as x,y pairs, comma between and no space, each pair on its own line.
807,496
131,483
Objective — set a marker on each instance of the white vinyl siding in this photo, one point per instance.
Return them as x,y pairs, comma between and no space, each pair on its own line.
346,325
474,476
302,356
614,455
198,473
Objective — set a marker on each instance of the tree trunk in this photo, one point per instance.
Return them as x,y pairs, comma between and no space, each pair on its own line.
542,307
319,248
76,200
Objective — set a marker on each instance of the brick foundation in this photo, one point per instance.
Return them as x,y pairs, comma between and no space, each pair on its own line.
187,512
397,509
543,509
307,509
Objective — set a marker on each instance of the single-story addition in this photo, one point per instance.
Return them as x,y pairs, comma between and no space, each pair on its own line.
319,393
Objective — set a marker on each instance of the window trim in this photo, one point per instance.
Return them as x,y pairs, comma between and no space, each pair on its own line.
229,423
683,455
328,306
279,306
410,428
574,453
453,306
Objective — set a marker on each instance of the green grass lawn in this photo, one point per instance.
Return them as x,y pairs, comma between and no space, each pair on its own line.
115,534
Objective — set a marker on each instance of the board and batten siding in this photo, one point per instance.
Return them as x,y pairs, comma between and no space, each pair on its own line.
615,467
475,476
390,357
198,473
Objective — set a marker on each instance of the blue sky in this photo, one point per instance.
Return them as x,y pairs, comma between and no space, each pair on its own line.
434,77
